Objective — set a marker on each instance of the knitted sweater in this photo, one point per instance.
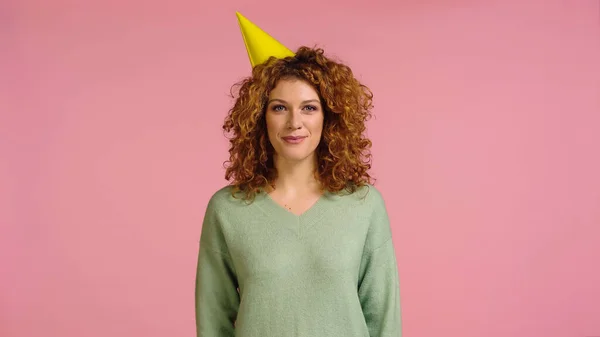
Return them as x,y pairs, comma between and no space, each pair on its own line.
266,272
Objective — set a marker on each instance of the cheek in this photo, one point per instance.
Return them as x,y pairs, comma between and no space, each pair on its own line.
272,126
316,125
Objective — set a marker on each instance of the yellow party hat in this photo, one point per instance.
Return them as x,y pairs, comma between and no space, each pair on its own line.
260,45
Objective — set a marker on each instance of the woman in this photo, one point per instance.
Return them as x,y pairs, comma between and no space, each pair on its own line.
299,244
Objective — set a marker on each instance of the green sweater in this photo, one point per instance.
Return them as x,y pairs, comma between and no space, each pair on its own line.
265,272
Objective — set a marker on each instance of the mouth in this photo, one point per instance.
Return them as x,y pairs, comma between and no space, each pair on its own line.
293,140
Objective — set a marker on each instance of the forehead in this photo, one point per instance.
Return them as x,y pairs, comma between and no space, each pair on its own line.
293,88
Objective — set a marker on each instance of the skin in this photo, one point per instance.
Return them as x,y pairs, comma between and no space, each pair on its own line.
294,109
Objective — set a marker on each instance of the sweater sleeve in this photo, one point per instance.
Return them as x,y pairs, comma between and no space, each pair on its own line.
378,288
217,299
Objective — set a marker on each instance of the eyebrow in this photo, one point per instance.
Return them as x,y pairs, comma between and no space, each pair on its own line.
303,102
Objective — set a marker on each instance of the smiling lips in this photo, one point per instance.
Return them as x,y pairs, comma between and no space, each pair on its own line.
293,139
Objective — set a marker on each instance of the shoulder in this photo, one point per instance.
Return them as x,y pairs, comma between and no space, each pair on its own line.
219,209
223,198
229,205
221,195
372,194
374,209
367,195
366,202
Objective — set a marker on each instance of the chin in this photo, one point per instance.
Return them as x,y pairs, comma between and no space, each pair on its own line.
295,156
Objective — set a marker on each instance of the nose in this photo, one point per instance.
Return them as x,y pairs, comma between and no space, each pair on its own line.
295,121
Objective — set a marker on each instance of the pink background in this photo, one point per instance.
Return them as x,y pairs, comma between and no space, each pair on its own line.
486,149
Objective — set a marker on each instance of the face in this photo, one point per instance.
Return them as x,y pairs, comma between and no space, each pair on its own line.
294,120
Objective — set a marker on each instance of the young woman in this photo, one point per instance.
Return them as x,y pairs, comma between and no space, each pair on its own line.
299,243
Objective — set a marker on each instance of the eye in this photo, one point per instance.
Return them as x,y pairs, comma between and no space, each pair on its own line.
311,108
278,107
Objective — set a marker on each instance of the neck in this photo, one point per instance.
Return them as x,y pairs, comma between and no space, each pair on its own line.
294,177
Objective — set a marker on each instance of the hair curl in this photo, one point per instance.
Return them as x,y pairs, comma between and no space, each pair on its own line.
343,153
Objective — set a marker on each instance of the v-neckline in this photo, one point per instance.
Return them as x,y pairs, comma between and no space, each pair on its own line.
299,222
315,204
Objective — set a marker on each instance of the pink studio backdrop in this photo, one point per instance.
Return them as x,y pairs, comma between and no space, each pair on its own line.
486,149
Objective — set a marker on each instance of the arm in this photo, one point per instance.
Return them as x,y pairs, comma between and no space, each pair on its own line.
217,299
378,288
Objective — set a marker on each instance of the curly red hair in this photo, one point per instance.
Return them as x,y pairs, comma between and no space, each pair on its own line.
343,153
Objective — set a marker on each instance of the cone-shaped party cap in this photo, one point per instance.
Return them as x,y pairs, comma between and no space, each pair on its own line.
260,45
